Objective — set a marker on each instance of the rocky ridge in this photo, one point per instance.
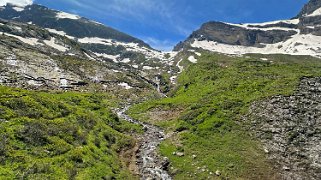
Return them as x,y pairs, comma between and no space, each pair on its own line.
298,36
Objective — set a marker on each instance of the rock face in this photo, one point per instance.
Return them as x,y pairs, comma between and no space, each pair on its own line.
236,35
298,36
309,8
290,129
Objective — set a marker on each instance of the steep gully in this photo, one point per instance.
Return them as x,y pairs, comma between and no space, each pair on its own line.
151,165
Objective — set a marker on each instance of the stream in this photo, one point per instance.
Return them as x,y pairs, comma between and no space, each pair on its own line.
151,165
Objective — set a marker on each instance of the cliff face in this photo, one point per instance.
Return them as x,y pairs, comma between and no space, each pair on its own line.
290,129
298,36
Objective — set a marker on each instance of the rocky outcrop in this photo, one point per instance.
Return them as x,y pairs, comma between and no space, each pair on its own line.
309,8
290,130
234,35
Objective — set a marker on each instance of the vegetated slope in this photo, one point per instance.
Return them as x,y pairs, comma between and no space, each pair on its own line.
48,135
204,116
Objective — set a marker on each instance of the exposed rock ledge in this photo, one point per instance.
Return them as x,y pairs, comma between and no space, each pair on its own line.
290,130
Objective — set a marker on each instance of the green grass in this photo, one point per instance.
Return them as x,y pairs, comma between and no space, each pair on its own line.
215,94
61,136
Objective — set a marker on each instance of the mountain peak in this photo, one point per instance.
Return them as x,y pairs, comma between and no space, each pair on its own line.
20,3
298,36
310,8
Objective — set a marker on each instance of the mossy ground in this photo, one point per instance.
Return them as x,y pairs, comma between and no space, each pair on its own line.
215,94
61,135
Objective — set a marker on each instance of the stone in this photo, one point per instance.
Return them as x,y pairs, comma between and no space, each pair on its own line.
180,154
218,173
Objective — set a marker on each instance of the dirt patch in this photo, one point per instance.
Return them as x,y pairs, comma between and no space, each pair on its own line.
158,115
129,159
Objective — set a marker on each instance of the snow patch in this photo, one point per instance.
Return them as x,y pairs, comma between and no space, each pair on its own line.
264,59
64,15
291,21
95,40
249,26
31,41
132,47
34,83
18,9
173,79
52,43
125,85
198,54
87,55
126,60
192,59
112,57
63,82
147,68
61,33
181,68
315,13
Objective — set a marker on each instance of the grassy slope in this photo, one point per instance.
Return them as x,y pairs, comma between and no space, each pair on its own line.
60,136
214,94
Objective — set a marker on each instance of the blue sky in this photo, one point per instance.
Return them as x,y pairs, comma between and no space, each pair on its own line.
163,23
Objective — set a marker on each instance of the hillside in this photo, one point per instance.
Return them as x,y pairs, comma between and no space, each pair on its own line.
207,118
54,135
82,100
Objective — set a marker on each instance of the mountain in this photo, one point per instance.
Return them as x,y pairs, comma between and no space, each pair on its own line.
104,55
71,24
298,36
80,100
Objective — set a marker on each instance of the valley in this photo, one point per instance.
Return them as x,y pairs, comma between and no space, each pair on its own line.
82,100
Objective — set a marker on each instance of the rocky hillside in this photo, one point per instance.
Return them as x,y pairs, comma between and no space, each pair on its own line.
298,36
37,40
208,135
289,127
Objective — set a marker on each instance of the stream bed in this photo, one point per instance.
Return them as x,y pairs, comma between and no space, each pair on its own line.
151,165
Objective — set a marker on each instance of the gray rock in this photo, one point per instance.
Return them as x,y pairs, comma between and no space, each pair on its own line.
289,126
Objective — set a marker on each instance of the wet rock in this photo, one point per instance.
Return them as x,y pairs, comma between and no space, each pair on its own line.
165,164
151,165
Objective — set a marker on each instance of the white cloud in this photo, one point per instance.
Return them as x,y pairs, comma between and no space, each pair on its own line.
16,2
